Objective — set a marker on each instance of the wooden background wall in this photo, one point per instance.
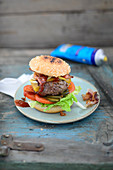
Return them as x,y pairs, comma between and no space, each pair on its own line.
48,23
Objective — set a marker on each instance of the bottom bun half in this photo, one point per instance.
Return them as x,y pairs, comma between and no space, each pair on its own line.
54,109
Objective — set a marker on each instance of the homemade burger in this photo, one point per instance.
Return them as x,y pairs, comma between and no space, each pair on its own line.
51,88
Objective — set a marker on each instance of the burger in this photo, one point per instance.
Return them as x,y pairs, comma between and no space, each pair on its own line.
51,89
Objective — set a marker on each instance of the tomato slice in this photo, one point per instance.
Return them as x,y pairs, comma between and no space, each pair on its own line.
42,100
29,95
71,87
28,88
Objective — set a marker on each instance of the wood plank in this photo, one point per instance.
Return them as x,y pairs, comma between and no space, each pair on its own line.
46,30
20,56
87,141
63,151
104,77
109,53
28,6
55,166
88,130
23,56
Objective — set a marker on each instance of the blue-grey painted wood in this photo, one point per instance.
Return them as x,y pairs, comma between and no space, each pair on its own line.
13,122
87,141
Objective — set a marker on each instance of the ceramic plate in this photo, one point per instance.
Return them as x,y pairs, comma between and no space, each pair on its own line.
75,114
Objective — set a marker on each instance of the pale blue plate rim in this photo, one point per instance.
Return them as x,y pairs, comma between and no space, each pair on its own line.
25,111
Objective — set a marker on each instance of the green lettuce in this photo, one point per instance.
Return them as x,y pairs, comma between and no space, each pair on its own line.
65,102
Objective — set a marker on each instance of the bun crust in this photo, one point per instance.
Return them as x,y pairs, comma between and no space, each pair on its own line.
50,66
54,109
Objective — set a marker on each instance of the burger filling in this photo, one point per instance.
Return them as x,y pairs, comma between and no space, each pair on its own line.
44,85
51,91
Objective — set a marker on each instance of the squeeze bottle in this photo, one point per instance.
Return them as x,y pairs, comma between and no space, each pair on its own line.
82,54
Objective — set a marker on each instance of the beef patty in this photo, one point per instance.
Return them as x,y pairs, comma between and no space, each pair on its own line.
54,88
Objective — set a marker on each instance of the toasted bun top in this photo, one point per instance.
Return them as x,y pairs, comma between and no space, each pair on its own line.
50,66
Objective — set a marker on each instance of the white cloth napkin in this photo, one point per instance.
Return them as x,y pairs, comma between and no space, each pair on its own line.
10,85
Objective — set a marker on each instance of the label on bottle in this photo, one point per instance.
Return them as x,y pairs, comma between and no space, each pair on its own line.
76,53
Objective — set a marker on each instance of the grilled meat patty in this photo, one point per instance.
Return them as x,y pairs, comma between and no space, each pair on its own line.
54,88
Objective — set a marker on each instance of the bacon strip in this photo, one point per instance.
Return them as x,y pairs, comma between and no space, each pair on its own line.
42,80
90,97
67,76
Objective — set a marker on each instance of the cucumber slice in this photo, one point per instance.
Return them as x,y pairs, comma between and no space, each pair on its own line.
51,99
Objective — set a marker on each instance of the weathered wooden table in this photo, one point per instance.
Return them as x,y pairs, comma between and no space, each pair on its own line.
86,144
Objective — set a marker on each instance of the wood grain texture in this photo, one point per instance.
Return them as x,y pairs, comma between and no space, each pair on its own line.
63,151
104,77
55,166
23,56
48,23
86,130
46,30
29,6
88,141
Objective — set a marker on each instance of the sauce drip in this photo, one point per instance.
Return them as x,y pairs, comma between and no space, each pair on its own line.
62,114
23,98
21,103
30,69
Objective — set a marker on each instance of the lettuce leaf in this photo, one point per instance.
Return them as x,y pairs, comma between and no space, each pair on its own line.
65,102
